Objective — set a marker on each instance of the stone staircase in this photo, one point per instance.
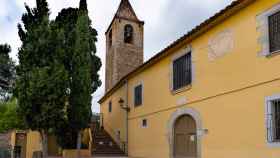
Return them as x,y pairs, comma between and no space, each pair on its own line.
104,145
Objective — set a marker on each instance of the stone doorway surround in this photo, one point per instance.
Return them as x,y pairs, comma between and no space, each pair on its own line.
170,128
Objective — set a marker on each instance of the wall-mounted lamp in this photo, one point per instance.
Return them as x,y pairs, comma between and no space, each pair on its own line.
121,102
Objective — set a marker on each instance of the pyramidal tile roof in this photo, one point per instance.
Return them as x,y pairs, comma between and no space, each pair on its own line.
125,11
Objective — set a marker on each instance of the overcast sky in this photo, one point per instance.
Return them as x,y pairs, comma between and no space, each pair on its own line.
165,21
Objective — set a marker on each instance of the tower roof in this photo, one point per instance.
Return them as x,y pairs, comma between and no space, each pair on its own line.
125,11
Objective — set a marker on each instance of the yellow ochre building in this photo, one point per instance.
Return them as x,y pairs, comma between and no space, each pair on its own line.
213,93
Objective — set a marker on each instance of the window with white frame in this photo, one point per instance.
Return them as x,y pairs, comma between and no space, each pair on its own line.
268,24
273,119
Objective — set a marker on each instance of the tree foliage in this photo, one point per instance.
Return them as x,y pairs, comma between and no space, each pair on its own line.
83,66
58,71
9,118
41,85
7,72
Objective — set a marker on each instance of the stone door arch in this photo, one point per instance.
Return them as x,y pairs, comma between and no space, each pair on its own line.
194,129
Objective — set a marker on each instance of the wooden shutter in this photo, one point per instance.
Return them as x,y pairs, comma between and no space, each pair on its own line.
274,32
182,74
138,95
110,106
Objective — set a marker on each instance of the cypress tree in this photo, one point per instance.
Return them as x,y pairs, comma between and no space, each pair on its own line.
42,78
7,73
82,66
81,85
83,6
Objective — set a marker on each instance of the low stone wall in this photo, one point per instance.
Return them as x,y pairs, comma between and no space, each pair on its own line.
5,140
73,153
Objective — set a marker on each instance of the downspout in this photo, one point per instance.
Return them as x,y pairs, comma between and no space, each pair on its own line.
126,115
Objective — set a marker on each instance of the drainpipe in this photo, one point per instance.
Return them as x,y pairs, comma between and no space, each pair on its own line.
126,115
127,109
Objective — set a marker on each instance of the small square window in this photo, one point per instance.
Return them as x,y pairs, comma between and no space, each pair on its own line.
144,123
110,107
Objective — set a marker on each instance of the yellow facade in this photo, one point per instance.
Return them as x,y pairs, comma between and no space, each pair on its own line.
31,141
228,91
33,144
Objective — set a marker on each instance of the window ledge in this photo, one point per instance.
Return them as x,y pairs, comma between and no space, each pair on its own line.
138,106
183,89
274,145
272,54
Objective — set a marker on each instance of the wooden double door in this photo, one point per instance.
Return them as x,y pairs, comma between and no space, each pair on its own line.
185,141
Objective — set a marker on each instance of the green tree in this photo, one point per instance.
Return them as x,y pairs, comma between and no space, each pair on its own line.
7,72
9,118
83,66
80,97
42,82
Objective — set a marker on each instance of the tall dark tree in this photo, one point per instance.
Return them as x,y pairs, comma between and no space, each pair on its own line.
83,6
42,83
80,97
7,72
83,66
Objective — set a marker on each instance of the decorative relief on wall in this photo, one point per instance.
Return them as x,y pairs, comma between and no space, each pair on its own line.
181,101
220,44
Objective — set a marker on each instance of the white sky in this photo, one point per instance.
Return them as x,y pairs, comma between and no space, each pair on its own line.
165,21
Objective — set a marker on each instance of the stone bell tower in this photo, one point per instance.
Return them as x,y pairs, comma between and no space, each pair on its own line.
124,44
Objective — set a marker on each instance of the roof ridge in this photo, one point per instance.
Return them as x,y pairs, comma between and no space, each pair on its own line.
232,8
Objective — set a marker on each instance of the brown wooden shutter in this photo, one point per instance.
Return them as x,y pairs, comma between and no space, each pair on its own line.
182,74
110,106
138,95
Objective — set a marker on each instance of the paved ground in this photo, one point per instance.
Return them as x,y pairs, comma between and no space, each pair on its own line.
93,157
110,157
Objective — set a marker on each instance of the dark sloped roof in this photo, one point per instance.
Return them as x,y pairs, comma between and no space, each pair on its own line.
222,15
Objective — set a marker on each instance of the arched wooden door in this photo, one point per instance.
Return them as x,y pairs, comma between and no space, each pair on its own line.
185,141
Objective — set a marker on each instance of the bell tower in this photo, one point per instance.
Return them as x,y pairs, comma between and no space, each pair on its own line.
124,44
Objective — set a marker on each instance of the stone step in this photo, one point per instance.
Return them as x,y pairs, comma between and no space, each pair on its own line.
108,147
